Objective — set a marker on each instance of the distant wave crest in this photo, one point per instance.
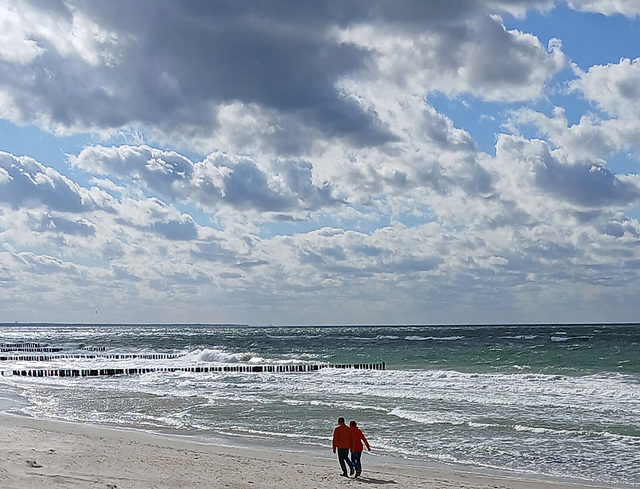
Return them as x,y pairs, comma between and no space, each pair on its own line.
219,356
434,338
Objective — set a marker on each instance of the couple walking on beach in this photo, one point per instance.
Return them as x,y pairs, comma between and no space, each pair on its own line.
347,438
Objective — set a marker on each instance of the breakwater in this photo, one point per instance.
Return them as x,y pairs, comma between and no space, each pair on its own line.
114,356
223,368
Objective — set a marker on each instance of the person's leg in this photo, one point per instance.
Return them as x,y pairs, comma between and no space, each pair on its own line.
355,459
349,463
343,456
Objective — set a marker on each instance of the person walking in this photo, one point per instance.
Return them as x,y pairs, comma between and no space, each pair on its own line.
342,443
357,437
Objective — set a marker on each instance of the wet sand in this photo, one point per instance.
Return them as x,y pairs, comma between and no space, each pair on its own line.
50,454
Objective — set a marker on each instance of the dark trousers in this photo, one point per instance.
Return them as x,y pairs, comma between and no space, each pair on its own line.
343,457
355,459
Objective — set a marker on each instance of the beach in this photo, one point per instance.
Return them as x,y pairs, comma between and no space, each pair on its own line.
51,454
546,403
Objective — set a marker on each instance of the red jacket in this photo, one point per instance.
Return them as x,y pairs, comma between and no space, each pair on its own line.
356,440
341,437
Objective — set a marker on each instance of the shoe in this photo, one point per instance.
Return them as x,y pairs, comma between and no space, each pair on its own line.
351,471
358,474
344,474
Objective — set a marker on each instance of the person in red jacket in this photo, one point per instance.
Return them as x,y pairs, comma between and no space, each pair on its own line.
342,443
357,437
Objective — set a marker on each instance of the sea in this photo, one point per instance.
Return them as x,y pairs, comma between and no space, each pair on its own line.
557,402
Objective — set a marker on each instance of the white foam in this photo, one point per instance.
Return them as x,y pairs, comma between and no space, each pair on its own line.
434,338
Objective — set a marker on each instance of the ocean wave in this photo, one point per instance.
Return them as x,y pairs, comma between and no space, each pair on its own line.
428,418
291,337
264,434
440,418
219,356
603,393
434,338
562,339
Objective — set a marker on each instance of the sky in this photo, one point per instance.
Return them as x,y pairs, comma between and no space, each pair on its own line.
320,163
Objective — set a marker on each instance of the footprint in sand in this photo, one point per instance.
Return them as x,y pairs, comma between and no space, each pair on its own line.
34,464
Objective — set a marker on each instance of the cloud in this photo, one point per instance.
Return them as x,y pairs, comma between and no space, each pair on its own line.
78,227
607,7
478,56
46,265
614,88
146,249
40,199
220,180
183,229
537,170
175,69
172,70
25,182
240,116
614,125
590,139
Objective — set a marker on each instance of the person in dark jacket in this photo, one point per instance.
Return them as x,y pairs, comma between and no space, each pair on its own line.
342,443
357,437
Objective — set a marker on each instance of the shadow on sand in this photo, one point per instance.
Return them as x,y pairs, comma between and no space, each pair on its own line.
370,480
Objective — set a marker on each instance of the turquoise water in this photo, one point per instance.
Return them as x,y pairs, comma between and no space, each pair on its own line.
554,400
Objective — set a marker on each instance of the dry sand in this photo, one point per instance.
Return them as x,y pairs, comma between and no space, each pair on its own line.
47,454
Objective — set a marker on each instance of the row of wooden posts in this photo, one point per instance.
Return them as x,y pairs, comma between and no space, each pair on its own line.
113,356
36,348
225,368
40,349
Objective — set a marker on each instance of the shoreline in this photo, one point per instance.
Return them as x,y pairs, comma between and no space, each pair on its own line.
46,453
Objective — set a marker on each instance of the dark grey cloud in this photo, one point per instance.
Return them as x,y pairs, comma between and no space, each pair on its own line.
213,251
247,187
186,279
620,226
58,224
590,185
165,63
26,183
122,273
45,265
154,216
498,58
447,160
169,64
586,185
176,230
352,254
219,180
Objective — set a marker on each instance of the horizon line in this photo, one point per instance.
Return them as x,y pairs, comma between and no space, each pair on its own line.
246,325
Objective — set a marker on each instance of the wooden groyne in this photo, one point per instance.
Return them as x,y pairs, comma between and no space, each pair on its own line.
223,368
35,349
20,346
39,348
113,356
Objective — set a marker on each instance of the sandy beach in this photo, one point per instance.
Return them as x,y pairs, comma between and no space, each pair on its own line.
47,454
